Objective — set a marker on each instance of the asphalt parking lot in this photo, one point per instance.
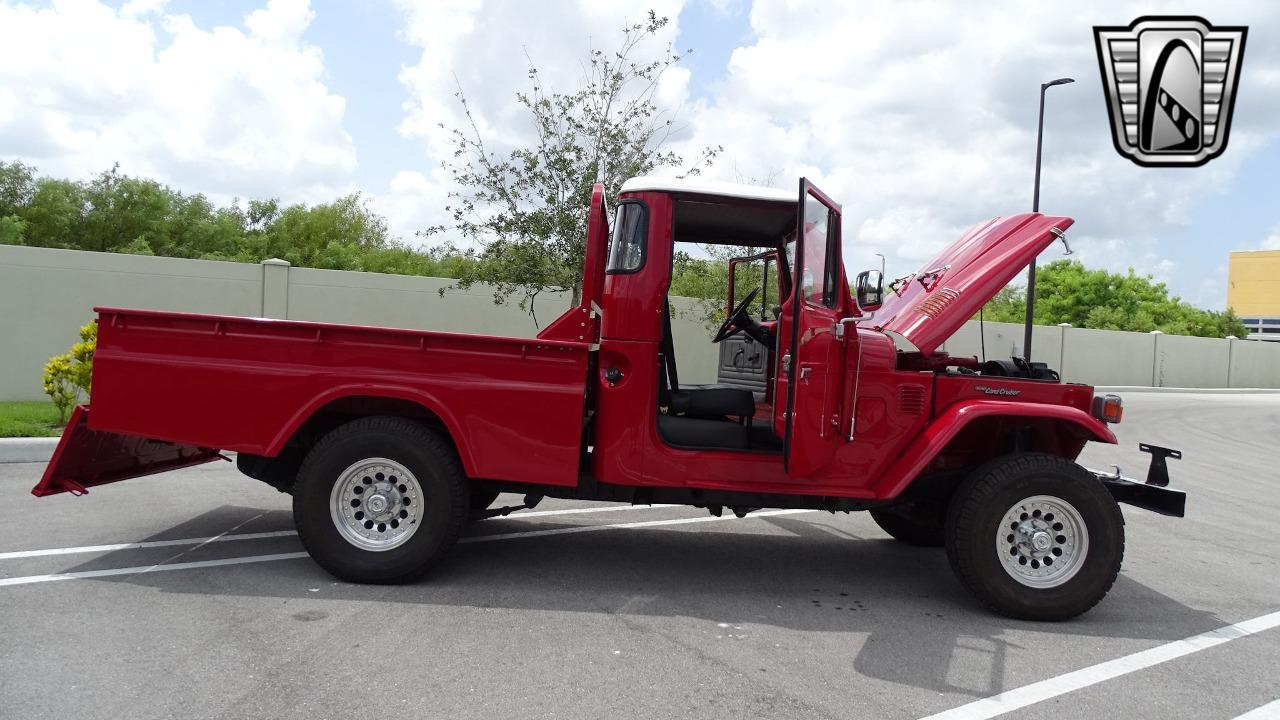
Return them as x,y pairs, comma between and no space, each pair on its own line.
632,613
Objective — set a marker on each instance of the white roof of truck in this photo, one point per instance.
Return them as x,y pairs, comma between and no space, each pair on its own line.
707,187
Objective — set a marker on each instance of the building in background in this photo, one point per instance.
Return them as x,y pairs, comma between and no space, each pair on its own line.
1253,291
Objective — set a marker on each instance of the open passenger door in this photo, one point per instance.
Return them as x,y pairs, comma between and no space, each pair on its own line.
813,354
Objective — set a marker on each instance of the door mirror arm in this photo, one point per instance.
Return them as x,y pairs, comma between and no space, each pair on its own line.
840,325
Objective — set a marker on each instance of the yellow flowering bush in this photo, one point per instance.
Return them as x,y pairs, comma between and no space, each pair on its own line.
68,377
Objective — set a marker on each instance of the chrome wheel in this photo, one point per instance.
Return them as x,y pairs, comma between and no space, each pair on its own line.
1042,541
376,504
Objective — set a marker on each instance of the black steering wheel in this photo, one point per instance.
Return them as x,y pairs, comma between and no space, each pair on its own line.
740,321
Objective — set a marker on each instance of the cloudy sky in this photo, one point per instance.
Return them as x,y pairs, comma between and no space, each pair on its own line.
919,117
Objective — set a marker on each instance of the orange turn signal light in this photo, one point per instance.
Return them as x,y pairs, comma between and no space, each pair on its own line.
1108,408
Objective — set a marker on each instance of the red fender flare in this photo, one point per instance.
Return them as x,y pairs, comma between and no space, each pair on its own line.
955,418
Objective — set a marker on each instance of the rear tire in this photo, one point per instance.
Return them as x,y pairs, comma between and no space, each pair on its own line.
380,500
1035,537
913,524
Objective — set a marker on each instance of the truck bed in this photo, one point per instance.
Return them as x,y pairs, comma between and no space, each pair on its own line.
515,405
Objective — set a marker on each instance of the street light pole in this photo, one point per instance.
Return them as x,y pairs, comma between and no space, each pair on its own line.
1035,207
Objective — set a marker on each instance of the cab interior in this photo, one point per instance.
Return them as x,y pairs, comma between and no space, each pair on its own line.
735,412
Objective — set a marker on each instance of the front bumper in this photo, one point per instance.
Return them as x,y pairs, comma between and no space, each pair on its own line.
1154,494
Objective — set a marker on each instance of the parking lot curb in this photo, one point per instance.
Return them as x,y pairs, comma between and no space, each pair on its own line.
27,449
1203,391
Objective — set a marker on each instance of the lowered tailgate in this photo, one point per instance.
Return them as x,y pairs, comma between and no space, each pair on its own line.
86,457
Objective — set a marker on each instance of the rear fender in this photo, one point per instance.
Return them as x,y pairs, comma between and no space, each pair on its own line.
947,425
86,457
421,399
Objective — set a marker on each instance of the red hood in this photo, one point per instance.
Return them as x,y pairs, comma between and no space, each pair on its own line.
936,300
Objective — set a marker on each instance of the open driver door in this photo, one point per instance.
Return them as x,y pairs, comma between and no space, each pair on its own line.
807,413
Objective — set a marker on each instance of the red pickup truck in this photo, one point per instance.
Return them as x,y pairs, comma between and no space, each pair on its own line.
390,440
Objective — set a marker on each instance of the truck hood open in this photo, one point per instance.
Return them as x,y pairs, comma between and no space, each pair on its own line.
929,305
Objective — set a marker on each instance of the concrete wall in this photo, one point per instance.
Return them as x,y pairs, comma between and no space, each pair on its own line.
1254,364
1191,361
1105,357
45,295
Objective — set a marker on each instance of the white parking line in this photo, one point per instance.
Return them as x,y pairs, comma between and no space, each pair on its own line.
145,544
1270,711
1017,698
141,569
278,533
86,574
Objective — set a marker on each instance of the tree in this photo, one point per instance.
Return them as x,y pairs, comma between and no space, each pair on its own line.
12,228
122,209
55,214
1068,292
330,235
17,185
707,280
115,212
528,212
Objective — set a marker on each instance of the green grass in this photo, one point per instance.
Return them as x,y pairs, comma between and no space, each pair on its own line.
37,418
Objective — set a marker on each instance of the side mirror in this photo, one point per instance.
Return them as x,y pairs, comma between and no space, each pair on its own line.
869,290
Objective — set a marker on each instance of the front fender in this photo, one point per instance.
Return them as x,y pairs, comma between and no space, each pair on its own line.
921,451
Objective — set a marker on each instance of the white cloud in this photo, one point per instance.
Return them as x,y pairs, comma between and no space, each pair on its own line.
1272,240
227,111
673,87
413,201
921,118
137,8
483,49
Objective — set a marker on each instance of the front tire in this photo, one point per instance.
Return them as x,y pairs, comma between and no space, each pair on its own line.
1035,537
380,500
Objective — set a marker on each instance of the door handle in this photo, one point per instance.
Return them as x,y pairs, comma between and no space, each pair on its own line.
804,373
